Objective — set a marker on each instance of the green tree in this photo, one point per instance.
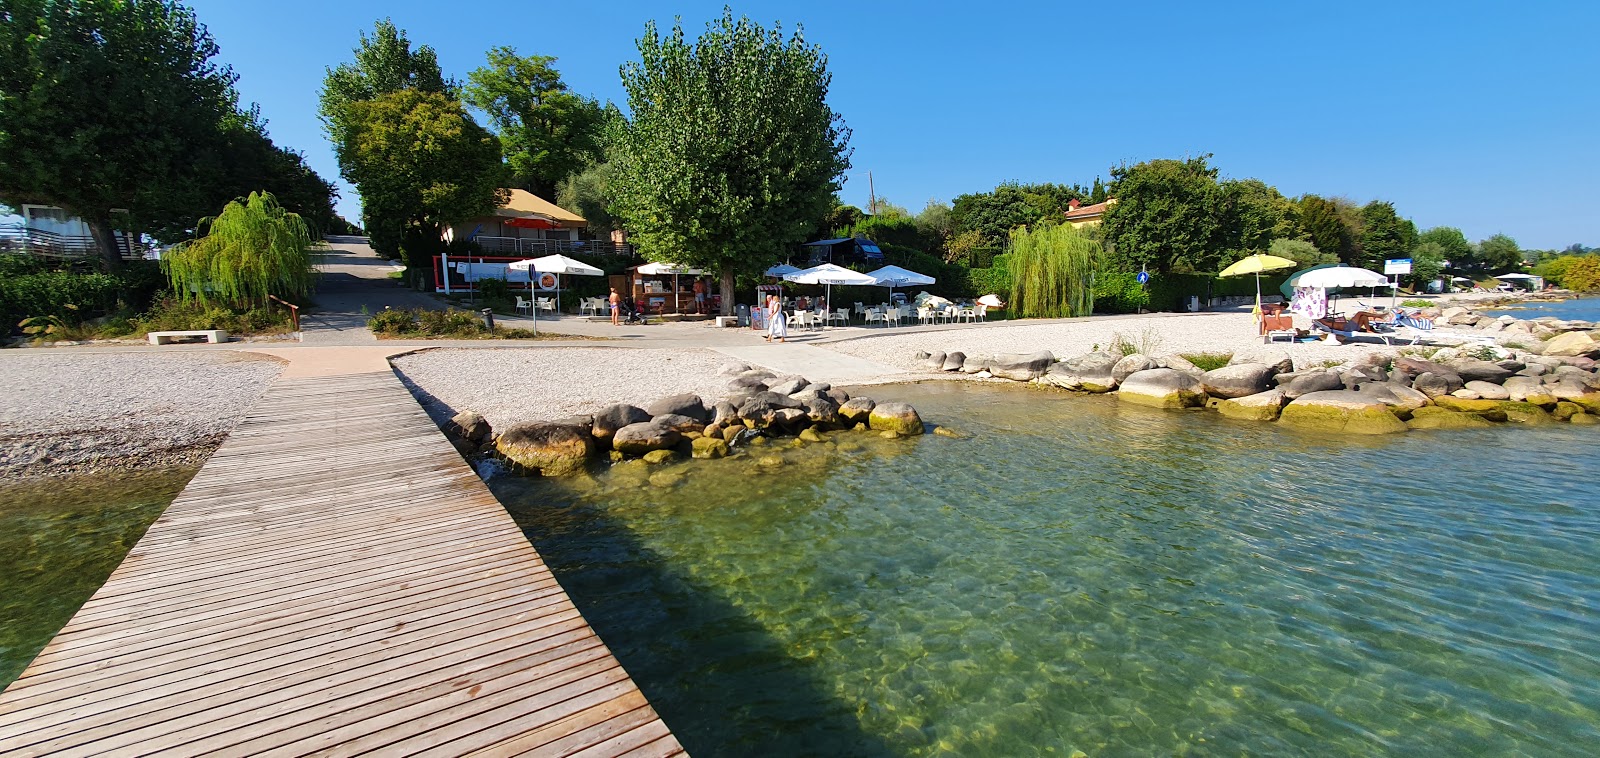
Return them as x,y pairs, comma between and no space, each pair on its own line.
251,250
589,194
1384,235
992,215
1427,263
104,105
1253,214
547,132
1097,194
420,163
937,224
1301,252
1051,268
384,63
1499,254
1166,215
1456,253
1327,228
733,153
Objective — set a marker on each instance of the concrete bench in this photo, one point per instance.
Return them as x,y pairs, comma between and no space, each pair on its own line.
211,335
724,321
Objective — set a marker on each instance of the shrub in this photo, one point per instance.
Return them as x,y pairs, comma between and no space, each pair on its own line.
1147,343
1417,303
1208,361
57,294
172,314
392,322
993,280
1119,292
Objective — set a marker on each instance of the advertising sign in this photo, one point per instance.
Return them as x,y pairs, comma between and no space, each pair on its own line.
1397,266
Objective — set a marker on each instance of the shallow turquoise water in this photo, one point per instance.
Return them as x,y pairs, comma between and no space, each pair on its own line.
1581,309
59,540
1079,575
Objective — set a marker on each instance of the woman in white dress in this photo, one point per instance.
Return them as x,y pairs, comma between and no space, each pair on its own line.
777,325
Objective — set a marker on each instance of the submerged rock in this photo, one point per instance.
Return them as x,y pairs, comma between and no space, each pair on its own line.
895,417
1447,420
709,447
641,438
857,410
1341,412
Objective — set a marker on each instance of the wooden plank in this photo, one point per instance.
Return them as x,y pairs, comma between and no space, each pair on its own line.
335,579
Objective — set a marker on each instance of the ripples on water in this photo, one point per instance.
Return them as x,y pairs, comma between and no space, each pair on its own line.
1078,575
1581,309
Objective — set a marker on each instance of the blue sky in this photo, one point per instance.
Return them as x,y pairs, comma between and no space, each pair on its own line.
1470,114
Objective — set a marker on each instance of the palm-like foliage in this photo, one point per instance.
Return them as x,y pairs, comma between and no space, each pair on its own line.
251,250
1050,269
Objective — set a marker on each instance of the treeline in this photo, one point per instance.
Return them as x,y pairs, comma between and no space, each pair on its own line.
118,112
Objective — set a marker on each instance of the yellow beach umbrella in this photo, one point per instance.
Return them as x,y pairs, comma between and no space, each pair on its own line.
1255,264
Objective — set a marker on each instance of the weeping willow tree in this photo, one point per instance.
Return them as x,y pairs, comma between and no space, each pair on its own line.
1050,270
251,250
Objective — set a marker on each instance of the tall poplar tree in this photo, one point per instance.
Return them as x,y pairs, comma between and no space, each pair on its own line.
732,153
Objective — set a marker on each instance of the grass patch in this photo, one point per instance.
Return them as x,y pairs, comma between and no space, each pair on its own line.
450,323
1208,361
1417,303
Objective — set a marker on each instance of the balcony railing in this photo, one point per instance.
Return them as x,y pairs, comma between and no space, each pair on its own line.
538,247
21,240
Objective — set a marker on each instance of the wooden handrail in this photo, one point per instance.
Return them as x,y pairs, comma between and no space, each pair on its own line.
294,311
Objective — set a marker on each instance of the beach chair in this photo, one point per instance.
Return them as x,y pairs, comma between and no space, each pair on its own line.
1276,326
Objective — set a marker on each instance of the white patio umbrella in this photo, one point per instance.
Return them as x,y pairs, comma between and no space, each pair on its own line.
781,270
828,274
662,269
558,265
894,276
1339,276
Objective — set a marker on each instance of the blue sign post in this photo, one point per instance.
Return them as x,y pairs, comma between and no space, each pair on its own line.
1144,277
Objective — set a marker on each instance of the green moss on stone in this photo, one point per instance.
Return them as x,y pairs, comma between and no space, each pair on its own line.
1448,420
1322,418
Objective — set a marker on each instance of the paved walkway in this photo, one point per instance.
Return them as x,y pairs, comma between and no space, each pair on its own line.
335,580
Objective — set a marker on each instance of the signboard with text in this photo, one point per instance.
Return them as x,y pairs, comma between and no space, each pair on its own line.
1397,266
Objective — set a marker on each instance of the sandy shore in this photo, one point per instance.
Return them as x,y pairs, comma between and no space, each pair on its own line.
67,412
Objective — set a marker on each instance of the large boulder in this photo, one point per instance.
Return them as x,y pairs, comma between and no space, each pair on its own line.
1527,389
1488,390
1525,413
1091,372
934,362
1021,367
679,423
1489,409
638,439
1262,406
614,417
1572,344
976,362
1163,388
895,417
953,361
724,413
857,410
1481,371
788,385
1400,398
1132,364
733,369
1444,419
1180,363
747,384
1239,380
1435,385
821,409
1411,368
1341,412
1312,381
471,426
551,449
686,404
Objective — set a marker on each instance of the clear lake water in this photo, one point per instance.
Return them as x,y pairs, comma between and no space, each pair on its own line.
1079,575
1578,309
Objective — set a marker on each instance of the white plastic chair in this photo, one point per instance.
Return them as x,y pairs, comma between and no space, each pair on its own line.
874,316
982,311
841,315
547,305
892,316
523,306
967,315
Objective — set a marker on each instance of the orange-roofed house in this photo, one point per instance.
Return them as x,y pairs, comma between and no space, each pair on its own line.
525,224
1080,215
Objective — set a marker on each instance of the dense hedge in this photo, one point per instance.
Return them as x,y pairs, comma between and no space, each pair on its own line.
995,280
28,288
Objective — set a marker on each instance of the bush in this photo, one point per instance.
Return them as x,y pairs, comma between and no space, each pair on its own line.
424,323
57,294
1417,303
1119,292
172,314
994,280
1208,361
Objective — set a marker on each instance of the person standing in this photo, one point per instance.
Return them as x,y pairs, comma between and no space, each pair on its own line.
616,307
699,295
776,324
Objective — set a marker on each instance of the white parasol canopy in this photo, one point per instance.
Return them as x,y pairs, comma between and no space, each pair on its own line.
1339,276
781,270
660,269
894,276
558,265
830,275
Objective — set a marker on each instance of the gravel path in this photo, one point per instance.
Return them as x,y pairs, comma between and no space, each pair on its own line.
1213,333
510,386
66,413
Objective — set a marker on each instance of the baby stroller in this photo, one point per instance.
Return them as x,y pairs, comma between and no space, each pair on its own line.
631,314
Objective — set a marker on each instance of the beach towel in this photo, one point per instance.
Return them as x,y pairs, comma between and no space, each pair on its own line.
1312,302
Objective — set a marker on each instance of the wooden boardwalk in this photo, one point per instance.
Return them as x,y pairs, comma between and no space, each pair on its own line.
334,581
